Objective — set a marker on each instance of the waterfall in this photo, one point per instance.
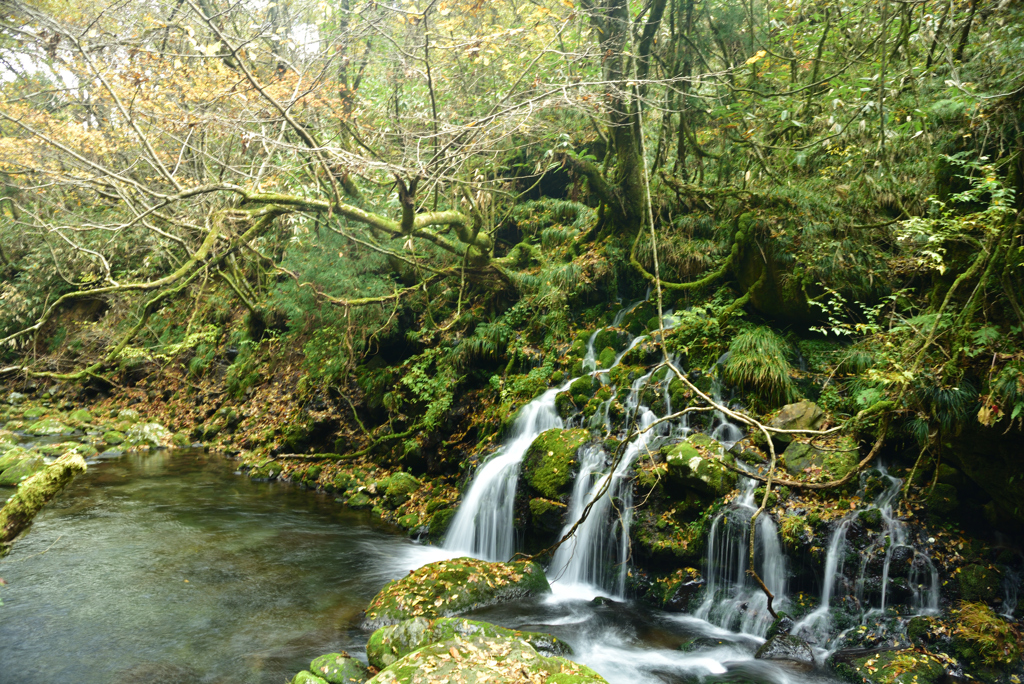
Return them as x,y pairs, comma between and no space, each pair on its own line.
482,526
922,578
732,600
596,557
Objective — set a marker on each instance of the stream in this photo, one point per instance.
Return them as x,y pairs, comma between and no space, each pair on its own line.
170,567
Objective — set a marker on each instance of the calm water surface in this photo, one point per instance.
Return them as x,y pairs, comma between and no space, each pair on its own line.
170,567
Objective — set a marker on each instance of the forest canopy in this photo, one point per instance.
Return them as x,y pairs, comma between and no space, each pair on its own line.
426,196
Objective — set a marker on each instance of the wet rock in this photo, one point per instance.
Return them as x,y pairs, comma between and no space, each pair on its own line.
453,586
978,583
782,625
13,455
81,416
113,437
691,468
803,415
398,488
391,643
148,434
21,470
128,414
832,461
684,592
548,464
788,649
546,515
339,668
439,521
479,658
34,413
49,426
306,677
359,500
16,398
890,666
942,500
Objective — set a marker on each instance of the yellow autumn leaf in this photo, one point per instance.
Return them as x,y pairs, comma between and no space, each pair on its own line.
757,56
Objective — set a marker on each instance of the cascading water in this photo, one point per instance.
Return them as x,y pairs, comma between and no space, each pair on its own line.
482,527
922,577
732,599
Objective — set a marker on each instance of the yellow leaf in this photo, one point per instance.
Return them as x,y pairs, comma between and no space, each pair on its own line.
757,56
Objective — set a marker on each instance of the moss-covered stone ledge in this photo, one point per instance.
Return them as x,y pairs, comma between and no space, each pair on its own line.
479,659
451,587
389,644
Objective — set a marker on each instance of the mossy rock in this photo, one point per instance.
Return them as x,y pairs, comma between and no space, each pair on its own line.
803,415
832,462
389,644
398,487
127,414
617,340
13,456
564,404
49,426
548,464
606,359
479,659
306,677
691,468
546,514
893,667
55,450
942,500
148,434
24,468
583,388
795,530
113,437
80,416
440,520
34,413
359,500
870,518
978,583
180,440
338,668
453,586
409,521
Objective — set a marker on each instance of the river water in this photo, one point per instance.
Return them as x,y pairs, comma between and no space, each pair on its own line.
171,568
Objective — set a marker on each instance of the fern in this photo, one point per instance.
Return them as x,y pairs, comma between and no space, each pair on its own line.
758,362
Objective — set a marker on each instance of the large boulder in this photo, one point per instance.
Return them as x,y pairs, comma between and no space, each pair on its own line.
148,434
548,464
398,488
339,668
832,460
479,659
789,649
803,415
13,455
692,468
391,643
453,586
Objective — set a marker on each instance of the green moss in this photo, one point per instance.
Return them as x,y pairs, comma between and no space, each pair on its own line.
440,520
582,389
978,583
399,487
795,530
49,426
452,586
34,413
698,469
338,668
80,416
894,667
391,643
942,500
606,359
359,500
409,521
33,494
548,463
306,677
21,470
479,658
833,461
113,437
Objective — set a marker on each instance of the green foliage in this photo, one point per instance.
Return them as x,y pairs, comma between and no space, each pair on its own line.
984,639
758,362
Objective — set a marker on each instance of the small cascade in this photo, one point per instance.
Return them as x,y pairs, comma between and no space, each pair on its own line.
893,542
732,600
723,430
597,554
1011,587
482,527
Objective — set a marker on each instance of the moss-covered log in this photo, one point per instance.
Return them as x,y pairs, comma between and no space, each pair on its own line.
33,494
